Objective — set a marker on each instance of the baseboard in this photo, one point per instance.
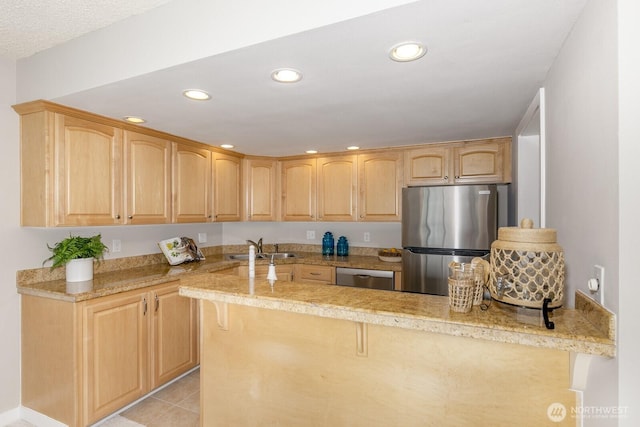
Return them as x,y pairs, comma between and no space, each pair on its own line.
10,416
38,419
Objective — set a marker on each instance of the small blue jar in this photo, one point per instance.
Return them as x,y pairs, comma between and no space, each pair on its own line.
327,244
343,246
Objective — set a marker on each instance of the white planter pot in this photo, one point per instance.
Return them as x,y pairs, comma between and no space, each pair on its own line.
79,270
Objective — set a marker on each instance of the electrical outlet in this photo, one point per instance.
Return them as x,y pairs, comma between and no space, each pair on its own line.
367,236
311,234
202,237
598,274
116,245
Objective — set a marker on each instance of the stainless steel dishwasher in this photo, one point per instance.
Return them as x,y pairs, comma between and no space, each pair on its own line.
361,278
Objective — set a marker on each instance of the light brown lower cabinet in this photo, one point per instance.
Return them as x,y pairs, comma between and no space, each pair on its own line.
319,274
275,367
83,361
302,273
285,272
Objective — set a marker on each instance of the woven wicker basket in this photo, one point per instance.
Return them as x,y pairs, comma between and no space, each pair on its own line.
461,293
529,264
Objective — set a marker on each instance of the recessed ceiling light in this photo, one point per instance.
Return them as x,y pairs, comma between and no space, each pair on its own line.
196,94
311,151
286,75
134,119
353,147
227,146
407,51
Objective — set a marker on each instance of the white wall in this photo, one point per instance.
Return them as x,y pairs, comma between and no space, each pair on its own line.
382,235
528,155
582,171
629,208
10,233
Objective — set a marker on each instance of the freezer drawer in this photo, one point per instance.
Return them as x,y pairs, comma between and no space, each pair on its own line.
427,273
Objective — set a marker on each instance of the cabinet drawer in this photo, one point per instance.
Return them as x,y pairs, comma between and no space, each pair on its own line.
317,273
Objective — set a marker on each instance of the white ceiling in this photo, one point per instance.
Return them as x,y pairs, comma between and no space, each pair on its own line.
30,26
485,61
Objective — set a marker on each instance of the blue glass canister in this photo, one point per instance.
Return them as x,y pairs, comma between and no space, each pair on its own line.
327,244
343,246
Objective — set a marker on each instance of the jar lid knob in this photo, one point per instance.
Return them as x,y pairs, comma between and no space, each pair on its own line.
526,223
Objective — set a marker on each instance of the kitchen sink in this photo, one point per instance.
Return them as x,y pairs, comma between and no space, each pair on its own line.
280,255
245,257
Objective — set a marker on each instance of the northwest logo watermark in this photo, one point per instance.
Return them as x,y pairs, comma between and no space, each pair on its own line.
557,412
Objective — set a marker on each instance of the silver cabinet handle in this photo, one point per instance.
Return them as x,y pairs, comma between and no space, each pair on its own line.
130,217
446,178
144,306
117,216
157,303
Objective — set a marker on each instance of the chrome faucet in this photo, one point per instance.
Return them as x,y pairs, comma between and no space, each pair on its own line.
257,245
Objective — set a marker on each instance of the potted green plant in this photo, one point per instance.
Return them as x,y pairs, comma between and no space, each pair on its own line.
77,254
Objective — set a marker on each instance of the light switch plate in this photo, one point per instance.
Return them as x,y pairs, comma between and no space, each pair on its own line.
116,245
202,237
598,274
311,234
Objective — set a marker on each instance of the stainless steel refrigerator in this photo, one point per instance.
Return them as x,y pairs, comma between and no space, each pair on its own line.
441,224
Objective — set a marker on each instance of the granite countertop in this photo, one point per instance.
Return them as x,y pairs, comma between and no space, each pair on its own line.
131,277
587,329
574,331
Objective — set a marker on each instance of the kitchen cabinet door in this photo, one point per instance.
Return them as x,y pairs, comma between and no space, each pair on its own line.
88,165
427,166
116,353
380,186
298,189
260,189
483,162
191,184
337,188
148,179
174,334
226,187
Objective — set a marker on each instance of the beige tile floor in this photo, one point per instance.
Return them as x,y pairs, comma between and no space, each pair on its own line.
177,405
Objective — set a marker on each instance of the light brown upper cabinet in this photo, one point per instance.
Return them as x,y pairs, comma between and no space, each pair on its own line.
226,187
71,171
483,162
298,189
191,183
260,189
427,166
82,169
380,186
147,178
337,188
467,162
88,166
